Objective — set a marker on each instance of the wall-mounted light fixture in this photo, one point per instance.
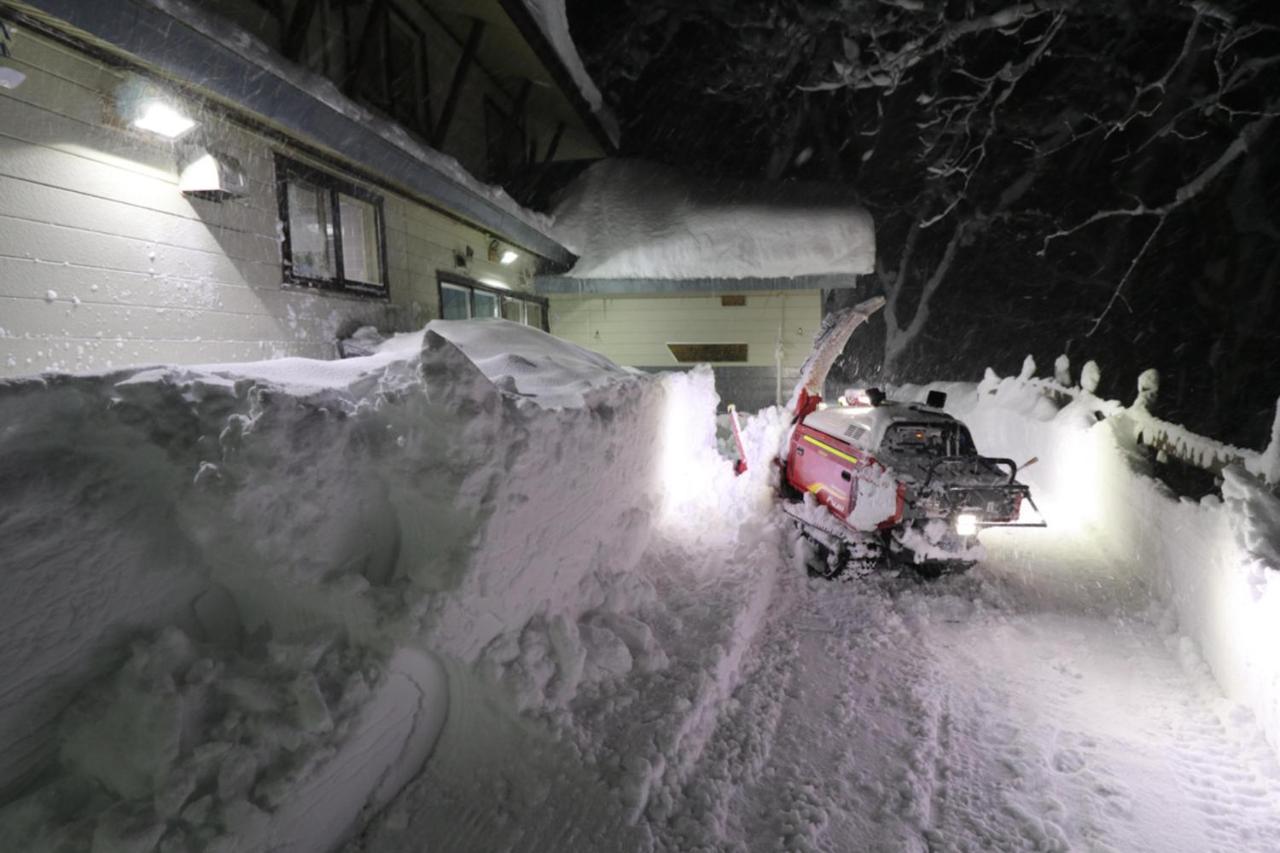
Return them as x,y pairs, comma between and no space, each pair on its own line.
142,104
158,117
209,175
502,254
10,78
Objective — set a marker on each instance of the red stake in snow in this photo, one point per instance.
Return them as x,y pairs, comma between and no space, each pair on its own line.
739,467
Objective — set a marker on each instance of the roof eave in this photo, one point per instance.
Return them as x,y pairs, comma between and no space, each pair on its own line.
547,54
199,61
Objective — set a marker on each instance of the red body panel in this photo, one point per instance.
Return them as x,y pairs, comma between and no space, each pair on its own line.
817,463
829,467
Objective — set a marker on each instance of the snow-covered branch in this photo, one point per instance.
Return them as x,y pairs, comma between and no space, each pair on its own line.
1241,144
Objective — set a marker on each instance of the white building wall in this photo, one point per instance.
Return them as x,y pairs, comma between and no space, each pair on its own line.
104,263
635,330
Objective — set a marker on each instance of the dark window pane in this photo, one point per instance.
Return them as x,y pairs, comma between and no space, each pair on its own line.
699,353
486,304
310,231
404,69
455,302
533,314
361,260
513,310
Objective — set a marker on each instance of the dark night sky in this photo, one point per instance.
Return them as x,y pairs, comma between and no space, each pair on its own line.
1120,104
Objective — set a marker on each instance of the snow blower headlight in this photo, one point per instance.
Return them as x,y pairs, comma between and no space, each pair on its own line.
966,524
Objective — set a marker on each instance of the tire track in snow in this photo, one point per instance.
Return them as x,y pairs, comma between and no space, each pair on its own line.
955,717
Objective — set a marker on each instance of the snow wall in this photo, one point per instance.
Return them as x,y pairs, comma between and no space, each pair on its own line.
233,593
1213,563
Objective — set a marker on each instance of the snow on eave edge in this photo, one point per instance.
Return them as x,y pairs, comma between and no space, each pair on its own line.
248,48
560,56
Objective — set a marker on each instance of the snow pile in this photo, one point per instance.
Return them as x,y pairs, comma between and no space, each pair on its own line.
195,746
243,559
614,693
1215,563
631,219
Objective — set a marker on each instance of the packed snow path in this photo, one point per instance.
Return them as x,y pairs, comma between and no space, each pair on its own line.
1030,705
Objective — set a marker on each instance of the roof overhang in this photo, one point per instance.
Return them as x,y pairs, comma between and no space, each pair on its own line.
558,285
525,36
167,44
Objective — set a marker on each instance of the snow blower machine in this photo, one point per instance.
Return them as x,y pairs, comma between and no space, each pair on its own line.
873,482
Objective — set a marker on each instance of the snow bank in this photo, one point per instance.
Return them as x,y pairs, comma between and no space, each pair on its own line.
614,694
264,572
1215,563
631,219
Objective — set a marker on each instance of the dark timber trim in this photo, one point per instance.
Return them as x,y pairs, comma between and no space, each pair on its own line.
295,35
459,80
554,144
528,26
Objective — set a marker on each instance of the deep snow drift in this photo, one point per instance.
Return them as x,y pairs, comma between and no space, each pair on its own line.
482,589
244,594
635,220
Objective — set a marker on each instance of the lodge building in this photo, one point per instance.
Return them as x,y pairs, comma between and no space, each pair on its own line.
230,180
207,181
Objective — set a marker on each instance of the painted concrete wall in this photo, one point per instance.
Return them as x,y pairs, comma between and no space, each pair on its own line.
635,331
104,263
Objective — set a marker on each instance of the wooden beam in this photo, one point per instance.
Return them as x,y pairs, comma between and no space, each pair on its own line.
460,72
377,15
295,33
517,108
554,144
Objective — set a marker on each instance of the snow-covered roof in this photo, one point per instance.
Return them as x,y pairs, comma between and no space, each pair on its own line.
628,219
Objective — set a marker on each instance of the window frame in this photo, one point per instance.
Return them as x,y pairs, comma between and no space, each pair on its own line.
333,186
454,280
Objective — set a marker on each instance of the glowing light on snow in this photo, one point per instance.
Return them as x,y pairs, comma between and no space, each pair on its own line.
159,117
966,524
509,257
1078,499
11,78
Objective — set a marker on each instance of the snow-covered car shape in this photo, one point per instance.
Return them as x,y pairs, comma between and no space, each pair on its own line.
899,480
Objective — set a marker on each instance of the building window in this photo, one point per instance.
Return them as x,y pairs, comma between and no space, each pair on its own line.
332,232
388,65
708,353
464,299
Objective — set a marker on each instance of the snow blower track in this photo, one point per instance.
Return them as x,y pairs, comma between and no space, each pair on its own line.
980,713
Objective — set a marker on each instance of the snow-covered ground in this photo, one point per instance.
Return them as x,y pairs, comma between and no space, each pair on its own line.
484,590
